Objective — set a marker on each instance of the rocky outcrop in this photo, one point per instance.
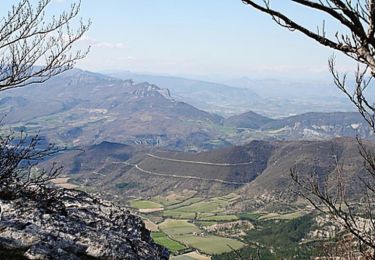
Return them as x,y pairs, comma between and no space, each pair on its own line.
149,90
84,227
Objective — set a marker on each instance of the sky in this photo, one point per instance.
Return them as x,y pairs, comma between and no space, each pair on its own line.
197,38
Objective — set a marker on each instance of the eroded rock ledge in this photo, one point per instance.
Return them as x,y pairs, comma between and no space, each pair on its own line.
81,227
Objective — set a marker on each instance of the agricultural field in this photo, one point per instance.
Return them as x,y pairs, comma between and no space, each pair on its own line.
162,239
220,218
178,227
178,214
190,235
210,206
184,217
197,208
187,202
173,198
288,216
144,204
210,244
191,256
186,222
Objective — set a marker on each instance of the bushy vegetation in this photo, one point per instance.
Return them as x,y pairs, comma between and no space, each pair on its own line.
250,252
12,254
126,185
283,237
251,216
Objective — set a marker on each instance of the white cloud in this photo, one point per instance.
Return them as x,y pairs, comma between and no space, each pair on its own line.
117,45
102,44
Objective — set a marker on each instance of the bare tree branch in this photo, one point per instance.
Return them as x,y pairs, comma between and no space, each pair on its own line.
357,18
356,40
33,49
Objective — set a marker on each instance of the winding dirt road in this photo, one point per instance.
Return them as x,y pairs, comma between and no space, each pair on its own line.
198,162
136,166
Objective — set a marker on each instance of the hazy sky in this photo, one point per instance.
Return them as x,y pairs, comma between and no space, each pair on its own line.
197,37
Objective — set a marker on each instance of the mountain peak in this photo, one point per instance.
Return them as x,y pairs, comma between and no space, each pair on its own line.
146,89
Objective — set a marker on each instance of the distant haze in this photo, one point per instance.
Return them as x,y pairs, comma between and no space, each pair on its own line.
218,39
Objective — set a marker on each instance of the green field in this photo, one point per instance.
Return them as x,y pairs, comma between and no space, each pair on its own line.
189,234
178,232
185,203
220,218
200,209
145,204
178,214
287,216
166,201
174,227
210,206
206,223
210,244
191,208
163,240
175,198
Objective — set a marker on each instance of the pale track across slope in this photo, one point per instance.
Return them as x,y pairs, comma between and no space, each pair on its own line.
198,162
136,166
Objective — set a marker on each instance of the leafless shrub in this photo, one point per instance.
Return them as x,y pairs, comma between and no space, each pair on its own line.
34,46
355,39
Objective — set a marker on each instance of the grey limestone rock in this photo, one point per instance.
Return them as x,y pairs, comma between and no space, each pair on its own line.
80,227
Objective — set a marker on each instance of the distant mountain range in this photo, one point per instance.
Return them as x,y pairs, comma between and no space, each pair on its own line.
83,108
273,98
213,97
313,125
139,140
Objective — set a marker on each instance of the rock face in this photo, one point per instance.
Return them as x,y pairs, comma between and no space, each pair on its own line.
149,90
85,228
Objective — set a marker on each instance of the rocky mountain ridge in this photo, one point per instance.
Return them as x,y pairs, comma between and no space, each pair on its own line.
149,90
312,125
260,169
273,98
87,108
